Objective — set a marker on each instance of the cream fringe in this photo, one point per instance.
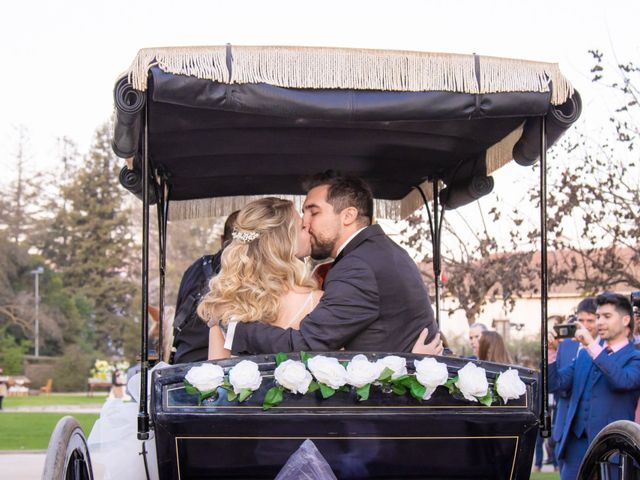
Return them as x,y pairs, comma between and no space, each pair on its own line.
309,67
223,206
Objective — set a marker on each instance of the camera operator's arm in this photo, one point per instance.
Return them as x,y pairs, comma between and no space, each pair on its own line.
559,378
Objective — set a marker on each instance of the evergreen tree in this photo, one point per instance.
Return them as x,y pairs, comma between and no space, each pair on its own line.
97,248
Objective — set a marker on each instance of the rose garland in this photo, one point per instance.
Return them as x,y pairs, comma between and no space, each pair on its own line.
328,375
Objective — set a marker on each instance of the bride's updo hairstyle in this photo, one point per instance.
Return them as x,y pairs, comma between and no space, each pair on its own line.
258,266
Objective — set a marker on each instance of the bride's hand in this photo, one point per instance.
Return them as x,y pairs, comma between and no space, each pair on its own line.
432,348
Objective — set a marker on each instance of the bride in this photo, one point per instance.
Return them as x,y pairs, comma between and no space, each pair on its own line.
262,277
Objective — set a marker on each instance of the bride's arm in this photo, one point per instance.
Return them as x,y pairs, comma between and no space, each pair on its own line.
216,344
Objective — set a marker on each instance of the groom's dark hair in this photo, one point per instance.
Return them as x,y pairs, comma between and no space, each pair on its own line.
345,191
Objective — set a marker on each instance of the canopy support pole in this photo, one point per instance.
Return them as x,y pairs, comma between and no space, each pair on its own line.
437,261
143,413
434,228
163,215
545,416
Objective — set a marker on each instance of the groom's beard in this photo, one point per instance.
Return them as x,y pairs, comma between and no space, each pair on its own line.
321,249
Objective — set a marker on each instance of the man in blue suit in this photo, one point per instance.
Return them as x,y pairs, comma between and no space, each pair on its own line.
604,380
567,351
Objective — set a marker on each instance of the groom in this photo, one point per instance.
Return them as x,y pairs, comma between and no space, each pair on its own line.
374,300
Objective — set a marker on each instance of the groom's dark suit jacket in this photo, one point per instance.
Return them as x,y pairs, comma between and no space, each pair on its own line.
374,299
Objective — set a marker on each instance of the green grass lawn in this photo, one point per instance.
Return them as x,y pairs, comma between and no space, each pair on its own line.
31,431
54,399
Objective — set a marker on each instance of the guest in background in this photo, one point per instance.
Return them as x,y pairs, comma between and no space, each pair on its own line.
491,348
475,332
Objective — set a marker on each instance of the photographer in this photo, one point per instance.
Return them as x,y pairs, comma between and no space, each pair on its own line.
604,380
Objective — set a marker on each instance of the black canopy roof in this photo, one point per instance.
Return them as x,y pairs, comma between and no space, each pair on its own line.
223,136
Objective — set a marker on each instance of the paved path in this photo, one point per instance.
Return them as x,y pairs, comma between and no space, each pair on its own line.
28,466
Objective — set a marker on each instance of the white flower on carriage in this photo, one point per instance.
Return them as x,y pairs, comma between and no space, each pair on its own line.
509,386
472,382
245,375
431,374
361,371
293,376
206,377
395,363
328,370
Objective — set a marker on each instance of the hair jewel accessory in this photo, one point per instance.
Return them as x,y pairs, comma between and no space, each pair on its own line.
244,236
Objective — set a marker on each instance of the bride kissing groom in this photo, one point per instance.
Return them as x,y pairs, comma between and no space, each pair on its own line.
265,299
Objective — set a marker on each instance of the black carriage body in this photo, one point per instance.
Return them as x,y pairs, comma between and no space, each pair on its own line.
387,436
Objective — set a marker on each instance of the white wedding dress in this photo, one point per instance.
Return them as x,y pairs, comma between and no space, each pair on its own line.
113,443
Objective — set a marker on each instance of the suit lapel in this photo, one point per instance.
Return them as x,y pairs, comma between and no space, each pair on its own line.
368,232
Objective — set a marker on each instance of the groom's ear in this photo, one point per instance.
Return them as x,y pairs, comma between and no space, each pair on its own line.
349,216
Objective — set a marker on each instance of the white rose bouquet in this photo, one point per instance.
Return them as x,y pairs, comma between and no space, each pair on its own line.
430,374
204,380
329,372
472,383
509,386
244,378
361,373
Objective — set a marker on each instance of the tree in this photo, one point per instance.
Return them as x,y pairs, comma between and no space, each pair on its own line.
95,251
596,190
20,199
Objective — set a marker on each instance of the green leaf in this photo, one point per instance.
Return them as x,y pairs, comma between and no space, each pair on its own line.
418,390
304,357
450,384
204,395
401,378
273,397
345,388
407,381
363,392
190,389
386,374
399,389
326,391
313,386
487,399
344,364
231,395
244,394
280,357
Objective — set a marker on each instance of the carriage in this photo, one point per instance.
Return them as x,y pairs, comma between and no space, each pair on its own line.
205,130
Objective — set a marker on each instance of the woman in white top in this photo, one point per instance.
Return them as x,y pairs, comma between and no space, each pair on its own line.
262,277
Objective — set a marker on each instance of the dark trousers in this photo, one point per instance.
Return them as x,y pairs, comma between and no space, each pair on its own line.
573,455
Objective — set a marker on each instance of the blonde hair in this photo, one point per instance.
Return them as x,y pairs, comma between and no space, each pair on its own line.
258,266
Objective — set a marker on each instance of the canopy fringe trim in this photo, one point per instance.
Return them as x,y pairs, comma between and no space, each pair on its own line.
339,68
223,206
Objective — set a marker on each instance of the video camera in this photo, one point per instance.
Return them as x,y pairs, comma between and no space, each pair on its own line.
568,329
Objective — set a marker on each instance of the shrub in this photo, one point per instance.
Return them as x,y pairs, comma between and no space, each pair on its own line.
72,370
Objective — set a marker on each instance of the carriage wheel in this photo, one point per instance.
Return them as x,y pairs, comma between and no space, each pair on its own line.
614,453
68,454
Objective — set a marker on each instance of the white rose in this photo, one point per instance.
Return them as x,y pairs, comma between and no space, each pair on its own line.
293,376
395,363
431,374
206,377
245,375
328,370
509,386
472,382
361,371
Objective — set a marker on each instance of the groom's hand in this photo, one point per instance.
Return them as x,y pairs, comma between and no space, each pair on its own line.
433,348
